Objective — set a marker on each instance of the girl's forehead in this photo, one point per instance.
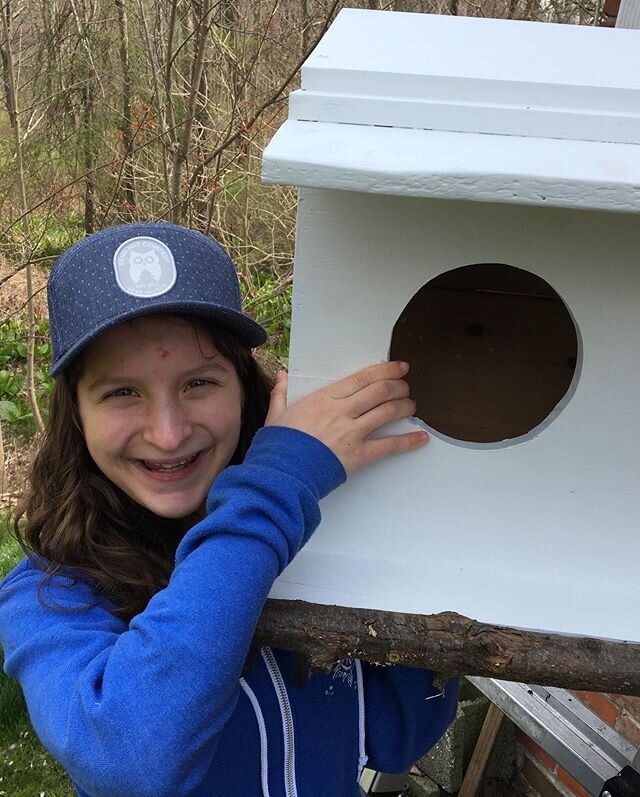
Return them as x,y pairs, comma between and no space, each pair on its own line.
160,326
140,337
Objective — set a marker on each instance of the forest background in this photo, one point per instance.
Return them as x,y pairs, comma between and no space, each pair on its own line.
120,110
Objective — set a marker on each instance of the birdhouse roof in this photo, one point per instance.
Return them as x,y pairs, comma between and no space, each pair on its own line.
467,108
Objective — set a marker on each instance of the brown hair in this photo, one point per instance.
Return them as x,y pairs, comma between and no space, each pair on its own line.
74,518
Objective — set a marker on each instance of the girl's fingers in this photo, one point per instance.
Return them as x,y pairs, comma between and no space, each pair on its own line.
343,415
361,380
395,444
385,413
375,395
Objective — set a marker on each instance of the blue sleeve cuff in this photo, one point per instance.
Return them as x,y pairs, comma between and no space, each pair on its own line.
298,454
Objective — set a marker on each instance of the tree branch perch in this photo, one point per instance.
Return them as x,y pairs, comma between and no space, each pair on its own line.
449,644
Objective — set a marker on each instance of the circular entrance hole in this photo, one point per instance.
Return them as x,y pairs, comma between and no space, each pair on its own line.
493,351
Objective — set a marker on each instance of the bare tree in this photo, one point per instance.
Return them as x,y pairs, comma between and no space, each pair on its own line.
126,128
201,27
8,60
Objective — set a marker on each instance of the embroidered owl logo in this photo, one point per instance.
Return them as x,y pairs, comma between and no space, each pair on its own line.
141,261
144,267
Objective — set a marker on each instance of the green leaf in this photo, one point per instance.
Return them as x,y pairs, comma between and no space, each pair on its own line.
9,411
12,412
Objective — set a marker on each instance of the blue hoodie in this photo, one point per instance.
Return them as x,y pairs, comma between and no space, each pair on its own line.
159,707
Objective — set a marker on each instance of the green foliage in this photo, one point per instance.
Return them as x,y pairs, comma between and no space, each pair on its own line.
53,235
50,235
233,187
271,307
26,769
14,406
13,711
10,551
12,411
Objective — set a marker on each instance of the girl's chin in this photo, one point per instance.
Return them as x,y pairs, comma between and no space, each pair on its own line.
178,512
173,506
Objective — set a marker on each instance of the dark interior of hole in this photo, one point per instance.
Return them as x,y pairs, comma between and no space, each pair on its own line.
492,350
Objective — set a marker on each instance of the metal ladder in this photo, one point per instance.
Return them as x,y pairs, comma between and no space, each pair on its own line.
596,755
600,759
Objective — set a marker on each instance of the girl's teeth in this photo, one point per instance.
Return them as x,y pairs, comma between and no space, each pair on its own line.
171,466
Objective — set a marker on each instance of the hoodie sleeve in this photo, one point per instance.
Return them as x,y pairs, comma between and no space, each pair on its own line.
136,710
405,716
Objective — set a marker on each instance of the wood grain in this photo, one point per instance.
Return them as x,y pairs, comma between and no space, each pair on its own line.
449,644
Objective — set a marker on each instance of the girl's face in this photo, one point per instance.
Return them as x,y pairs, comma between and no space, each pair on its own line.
161,411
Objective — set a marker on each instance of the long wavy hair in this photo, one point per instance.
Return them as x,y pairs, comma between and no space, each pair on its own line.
73,518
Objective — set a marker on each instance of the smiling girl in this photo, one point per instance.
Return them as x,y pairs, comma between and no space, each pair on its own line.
158,515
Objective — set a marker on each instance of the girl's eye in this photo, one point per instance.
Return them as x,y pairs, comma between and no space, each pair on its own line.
198,383
121,392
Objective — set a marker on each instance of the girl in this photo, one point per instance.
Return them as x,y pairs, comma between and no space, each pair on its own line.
129,625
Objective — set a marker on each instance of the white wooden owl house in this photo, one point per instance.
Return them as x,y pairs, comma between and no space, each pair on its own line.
469,199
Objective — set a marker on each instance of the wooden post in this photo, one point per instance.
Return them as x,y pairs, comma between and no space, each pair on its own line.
480,757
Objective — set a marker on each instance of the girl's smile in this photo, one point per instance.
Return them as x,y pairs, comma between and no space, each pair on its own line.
161,411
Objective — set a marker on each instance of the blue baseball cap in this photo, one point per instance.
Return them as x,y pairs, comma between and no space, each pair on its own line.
139,269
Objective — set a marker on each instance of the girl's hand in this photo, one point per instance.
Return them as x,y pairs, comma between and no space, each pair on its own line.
343,415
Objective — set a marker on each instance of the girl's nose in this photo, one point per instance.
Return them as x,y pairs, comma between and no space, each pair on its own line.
167,426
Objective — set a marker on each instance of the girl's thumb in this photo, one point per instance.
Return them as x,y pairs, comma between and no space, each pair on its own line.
278,402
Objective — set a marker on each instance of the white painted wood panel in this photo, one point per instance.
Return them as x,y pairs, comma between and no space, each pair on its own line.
629,14
542,534
474,75
575,123
453,141
362,47
482,168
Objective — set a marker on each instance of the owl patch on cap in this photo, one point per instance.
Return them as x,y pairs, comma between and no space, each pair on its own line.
144,267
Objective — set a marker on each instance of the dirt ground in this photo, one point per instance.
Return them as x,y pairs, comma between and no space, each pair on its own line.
13,292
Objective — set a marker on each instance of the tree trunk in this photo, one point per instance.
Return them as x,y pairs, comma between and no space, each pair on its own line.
203,25
14,119
306,26
166,146
89,160
449,644
90,74
126,132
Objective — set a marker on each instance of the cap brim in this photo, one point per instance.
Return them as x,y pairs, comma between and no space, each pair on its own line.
249,332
